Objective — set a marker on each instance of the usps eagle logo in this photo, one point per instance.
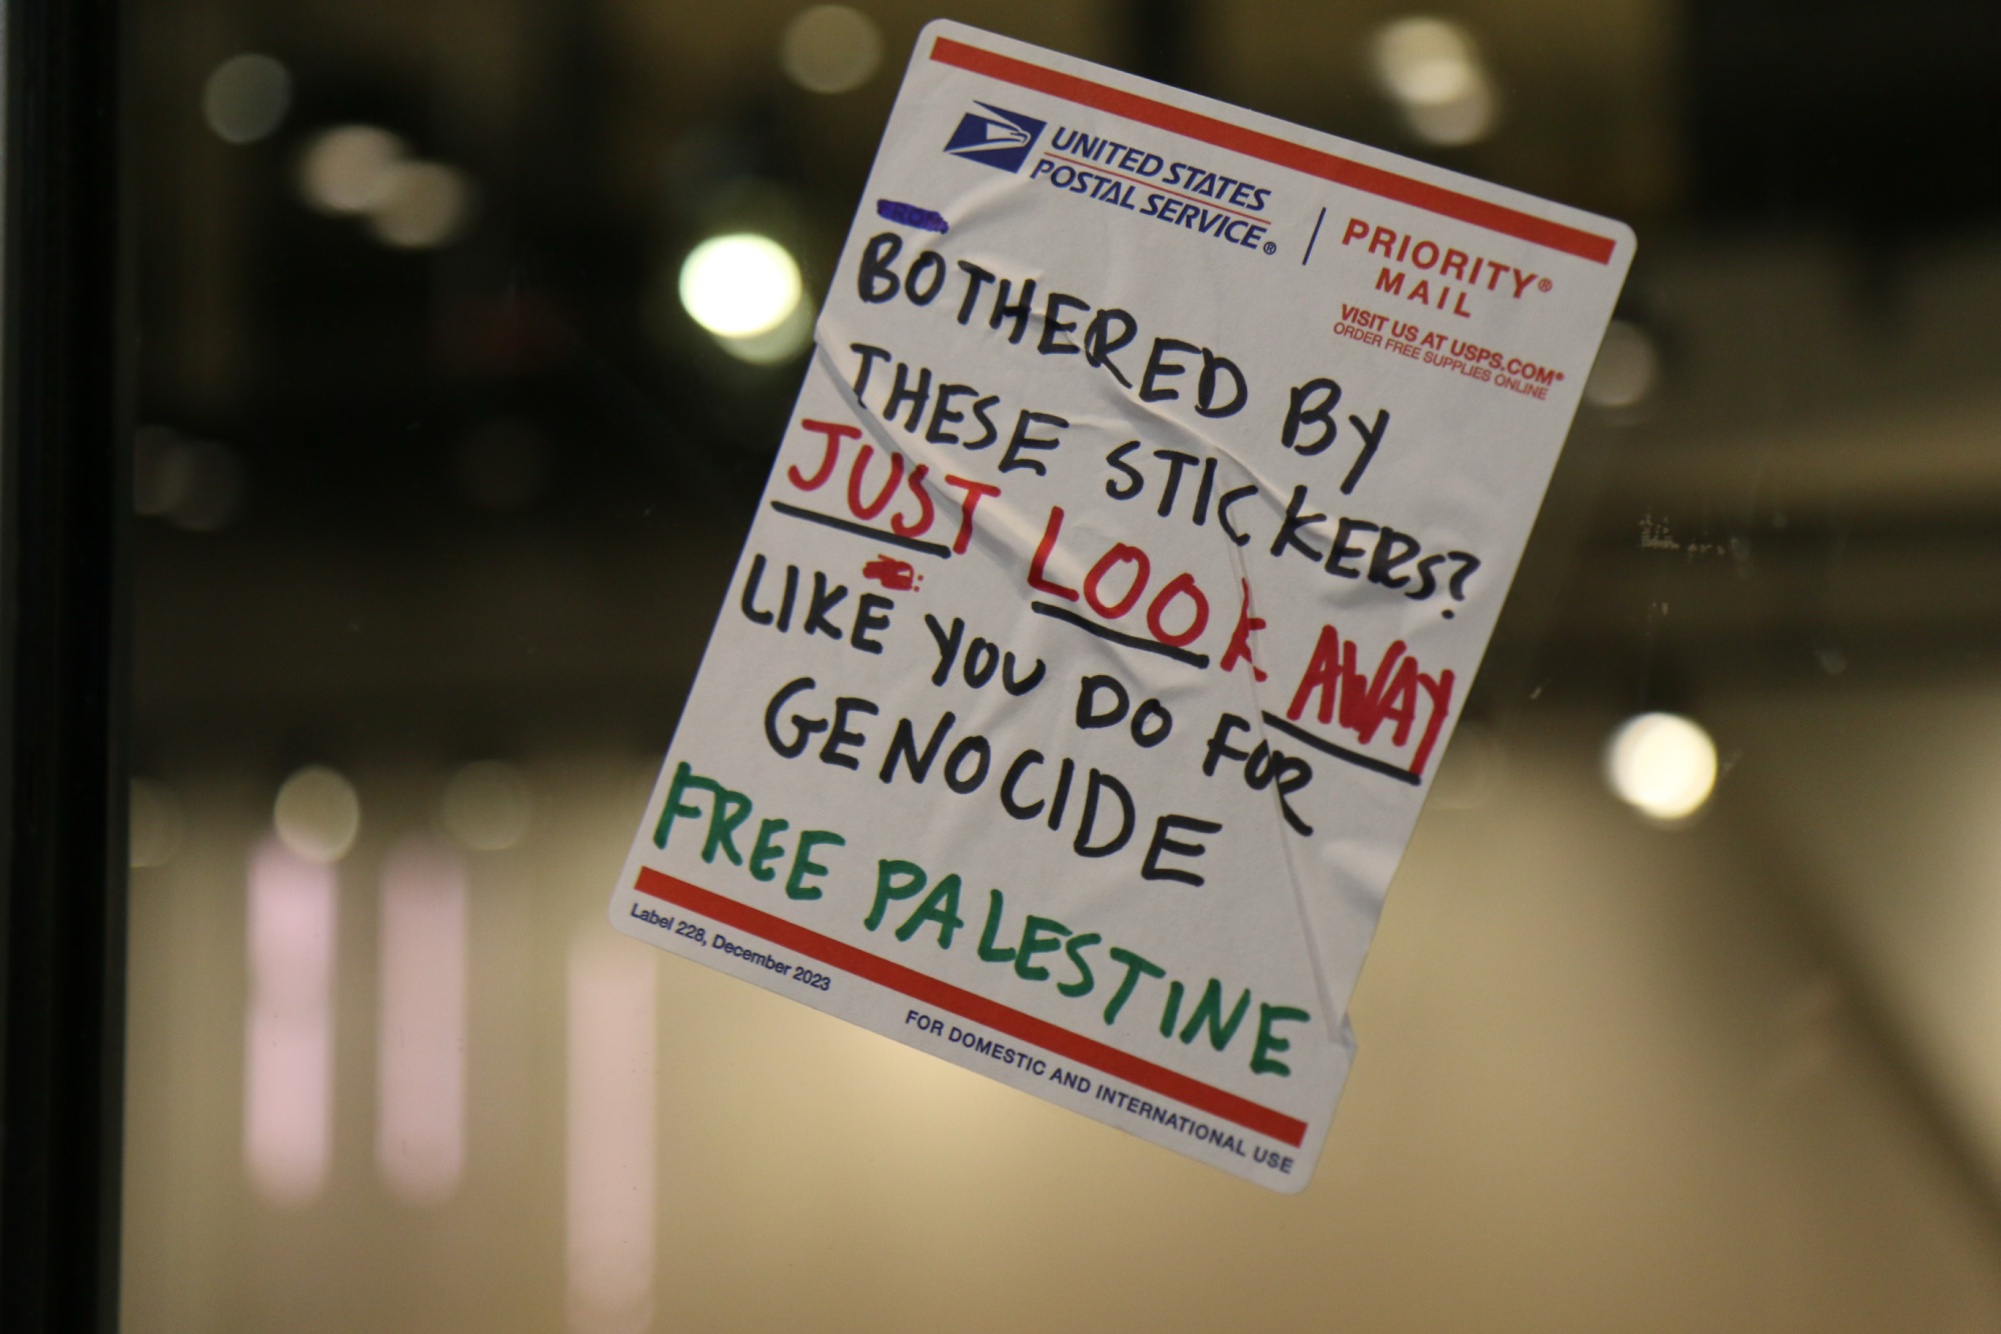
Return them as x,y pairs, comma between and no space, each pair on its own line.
1002,139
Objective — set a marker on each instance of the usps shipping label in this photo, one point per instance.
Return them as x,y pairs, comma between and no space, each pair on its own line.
1155,482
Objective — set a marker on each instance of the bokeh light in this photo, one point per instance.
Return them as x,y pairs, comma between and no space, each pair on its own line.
778,343
246,97
830,49
1431,69
1661,764
344,169
486,806
1624,372
739,286
420,205
317,814
197,485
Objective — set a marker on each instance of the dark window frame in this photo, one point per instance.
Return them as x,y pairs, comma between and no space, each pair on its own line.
63,494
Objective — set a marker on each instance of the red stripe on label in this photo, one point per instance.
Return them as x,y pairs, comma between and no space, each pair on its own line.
944,996
1270,148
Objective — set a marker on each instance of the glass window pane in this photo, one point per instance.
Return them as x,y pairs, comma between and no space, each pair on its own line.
469,333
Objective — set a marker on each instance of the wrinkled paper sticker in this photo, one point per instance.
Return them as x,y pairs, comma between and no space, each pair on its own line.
1156,480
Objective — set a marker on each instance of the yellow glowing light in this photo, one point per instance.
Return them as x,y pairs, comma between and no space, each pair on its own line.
1661,764
739,286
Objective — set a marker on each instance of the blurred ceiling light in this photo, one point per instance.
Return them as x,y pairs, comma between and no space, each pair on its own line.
740,285
288,1026
420,205
1624,372
246,98
421,1022
344,169
1661,764
154,818
486,806
1431,69
317,814
830,49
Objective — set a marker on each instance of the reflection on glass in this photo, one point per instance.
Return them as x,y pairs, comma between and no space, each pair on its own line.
156,823
421,1025
609,1133
406,504
288,1033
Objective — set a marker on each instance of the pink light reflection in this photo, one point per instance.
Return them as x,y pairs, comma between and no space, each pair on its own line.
609,1178
421,1022
288,1030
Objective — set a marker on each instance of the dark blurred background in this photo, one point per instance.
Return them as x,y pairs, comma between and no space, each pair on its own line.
439,485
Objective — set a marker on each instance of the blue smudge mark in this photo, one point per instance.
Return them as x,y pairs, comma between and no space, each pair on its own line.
911,216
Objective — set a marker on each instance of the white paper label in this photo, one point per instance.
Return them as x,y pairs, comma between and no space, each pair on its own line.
1153,488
